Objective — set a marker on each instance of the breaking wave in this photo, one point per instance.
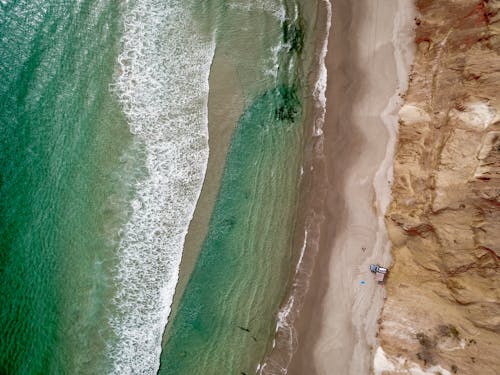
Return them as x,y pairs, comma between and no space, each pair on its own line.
162,85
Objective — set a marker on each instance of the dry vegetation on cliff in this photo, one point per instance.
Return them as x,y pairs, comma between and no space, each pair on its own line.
443,306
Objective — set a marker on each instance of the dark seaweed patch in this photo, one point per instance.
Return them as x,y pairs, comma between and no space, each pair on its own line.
293,34
287,104
279,105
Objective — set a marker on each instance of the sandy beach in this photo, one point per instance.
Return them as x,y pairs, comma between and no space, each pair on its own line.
369,56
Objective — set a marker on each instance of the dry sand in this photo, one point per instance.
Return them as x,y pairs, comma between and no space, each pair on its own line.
368,62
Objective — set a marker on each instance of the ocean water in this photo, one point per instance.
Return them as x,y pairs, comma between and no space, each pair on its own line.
227,315
103,152
63,142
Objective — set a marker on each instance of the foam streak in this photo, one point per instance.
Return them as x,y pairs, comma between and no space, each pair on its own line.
163,88
320,86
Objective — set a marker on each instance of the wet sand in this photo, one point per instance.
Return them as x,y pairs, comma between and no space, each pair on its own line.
370,52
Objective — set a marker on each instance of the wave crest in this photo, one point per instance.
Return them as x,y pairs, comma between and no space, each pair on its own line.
163,88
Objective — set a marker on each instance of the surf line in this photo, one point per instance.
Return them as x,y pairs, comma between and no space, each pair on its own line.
288,313
162,85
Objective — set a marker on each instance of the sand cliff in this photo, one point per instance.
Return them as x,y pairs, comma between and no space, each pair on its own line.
442,312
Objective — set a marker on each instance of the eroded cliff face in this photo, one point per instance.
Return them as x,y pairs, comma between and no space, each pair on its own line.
442,313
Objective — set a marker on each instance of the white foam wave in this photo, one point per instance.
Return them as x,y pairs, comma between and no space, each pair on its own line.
319,91
163,89
284,321
275,52
284,313
275,7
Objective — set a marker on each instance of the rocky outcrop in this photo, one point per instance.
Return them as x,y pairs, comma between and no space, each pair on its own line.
443,295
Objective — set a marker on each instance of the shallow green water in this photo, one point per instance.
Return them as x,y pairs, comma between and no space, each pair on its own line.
227,314
242,270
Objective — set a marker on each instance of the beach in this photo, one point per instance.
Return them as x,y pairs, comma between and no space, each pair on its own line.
369,55
173,174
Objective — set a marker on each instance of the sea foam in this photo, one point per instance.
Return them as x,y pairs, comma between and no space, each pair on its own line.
319,91
162,85
287,314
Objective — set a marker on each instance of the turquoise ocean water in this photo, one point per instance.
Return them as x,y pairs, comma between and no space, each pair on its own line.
103,150
62,137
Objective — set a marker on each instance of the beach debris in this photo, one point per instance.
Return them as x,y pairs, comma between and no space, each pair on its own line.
363,248
248,330
243,328
379,272
362,282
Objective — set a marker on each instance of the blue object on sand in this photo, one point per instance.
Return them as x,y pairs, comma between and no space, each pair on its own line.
362,282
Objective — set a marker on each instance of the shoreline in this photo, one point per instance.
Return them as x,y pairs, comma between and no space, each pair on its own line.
308,217
337,326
